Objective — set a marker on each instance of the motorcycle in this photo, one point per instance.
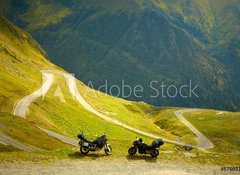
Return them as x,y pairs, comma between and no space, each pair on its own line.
143,148
96,145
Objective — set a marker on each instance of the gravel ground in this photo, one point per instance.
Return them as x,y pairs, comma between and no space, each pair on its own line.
118,167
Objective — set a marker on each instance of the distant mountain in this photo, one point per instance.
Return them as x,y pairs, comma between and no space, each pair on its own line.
139,41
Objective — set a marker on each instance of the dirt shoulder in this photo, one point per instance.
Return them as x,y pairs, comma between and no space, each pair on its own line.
121,166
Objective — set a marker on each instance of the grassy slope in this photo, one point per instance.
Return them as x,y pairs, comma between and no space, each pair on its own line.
26,133
18,51
7,148
167,120
22,61
71,118
135,114
218,126
221,128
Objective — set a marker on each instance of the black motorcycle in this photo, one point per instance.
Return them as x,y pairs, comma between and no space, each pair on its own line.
96,145
143,148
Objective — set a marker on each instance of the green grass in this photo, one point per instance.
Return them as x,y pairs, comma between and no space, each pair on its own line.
71,118
7,148
20,76
26,133
178,156
166,119
135,114
221,129
21,61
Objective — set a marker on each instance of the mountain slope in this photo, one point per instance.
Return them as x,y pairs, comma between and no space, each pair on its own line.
140,41
209,121
22,61
27,134
70,118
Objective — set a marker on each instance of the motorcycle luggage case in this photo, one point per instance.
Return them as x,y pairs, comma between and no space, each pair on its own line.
80,136
157,143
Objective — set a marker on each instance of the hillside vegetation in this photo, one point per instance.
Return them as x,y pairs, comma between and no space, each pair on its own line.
26,133
139,41
22,61
220,127
21,66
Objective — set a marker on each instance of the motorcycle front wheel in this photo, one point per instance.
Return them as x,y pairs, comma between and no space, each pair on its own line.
108,150
132,150
154,153
84,150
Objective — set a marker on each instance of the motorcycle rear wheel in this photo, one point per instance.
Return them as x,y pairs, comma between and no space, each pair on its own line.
84,150
154,153
132,150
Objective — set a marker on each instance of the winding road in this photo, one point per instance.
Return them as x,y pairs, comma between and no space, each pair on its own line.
60,137
6,140
22,108
204,143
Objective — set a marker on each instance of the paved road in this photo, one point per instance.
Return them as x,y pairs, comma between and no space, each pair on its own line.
74,91
60,137
6,140
204,143
22,108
